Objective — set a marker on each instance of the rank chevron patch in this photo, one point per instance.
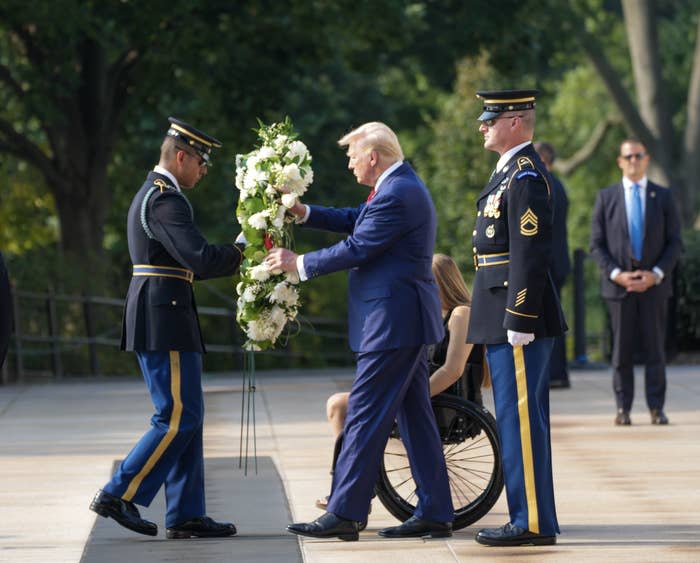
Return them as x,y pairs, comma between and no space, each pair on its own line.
528,223
520,297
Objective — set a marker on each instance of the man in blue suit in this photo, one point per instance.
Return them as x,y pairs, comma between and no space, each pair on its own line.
394,313
636,240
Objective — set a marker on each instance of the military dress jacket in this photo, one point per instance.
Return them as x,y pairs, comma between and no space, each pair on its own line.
393,300
512,245
160,313
611,244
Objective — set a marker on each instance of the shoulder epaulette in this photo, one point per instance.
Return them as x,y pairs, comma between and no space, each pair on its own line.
158,186
524,162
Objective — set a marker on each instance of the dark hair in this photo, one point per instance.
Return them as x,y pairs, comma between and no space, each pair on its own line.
546,151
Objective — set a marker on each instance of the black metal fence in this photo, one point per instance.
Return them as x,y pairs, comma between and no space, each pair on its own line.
58,335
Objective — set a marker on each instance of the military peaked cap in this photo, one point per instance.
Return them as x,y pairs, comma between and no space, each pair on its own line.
498,101
198,140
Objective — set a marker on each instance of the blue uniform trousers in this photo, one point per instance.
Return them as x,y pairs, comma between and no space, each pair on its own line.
520,377
390,385
171,451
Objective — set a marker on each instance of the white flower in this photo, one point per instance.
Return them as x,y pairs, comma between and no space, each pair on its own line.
266,152
280,141
288,200
292,277
270,191
260,272
284,294
258,220
296,148
278,220
291,173
250,293
250,181
240,287
240,176
277,316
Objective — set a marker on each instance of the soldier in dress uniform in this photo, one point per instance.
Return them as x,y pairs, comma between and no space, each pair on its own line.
516,313
160,324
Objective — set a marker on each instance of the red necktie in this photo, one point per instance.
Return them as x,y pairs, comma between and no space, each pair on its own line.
371,195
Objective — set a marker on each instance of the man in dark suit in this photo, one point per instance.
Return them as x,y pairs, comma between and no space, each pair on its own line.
394,312
636,240
516,313
161,325
561,263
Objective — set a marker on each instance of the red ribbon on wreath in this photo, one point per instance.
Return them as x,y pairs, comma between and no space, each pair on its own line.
268,242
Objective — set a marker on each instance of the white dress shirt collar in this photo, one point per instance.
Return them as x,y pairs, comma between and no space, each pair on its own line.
506,156
386,173
165,172
627,183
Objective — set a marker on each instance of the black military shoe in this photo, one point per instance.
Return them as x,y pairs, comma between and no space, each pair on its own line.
658,416
327,526
511,535
123,512
414,527
622,418
203,527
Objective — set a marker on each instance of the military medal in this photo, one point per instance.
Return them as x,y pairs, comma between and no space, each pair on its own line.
490,231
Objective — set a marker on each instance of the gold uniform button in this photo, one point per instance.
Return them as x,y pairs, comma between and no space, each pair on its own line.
173,302
474,233
474,249
505,283
478,213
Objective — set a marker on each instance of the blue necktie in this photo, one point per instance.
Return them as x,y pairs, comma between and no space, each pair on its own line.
636,222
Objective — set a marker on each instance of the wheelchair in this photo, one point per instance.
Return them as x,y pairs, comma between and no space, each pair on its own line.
472,453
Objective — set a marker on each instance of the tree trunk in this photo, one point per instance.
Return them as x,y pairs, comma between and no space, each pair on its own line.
691,142
646,65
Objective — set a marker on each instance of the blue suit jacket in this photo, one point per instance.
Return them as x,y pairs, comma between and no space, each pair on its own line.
393,301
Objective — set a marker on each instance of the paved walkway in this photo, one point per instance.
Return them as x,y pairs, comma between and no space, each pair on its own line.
623,494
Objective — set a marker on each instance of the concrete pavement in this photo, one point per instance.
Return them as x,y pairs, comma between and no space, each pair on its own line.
623,494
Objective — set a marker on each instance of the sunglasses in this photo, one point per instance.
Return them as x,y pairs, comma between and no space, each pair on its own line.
634,155
200,159
491,122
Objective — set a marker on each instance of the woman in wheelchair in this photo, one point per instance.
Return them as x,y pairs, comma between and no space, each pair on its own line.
455,366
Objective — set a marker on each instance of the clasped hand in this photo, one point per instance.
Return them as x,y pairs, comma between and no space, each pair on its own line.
636,282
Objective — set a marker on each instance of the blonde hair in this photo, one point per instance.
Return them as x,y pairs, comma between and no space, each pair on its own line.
453,291
375,136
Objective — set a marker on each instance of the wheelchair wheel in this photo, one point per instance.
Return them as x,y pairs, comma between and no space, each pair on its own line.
472,454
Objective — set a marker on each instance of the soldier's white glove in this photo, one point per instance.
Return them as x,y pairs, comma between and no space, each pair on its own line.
520,338
241,239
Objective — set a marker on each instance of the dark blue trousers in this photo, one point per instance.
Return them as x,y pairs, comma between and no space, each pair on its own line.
520,377
171,451
390,385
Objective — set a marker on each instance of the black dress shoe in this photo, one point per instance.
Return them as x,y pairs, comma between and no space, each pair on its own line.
202,527
559,384
327,526
123,512
622,418
414,527
658,416
511,535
